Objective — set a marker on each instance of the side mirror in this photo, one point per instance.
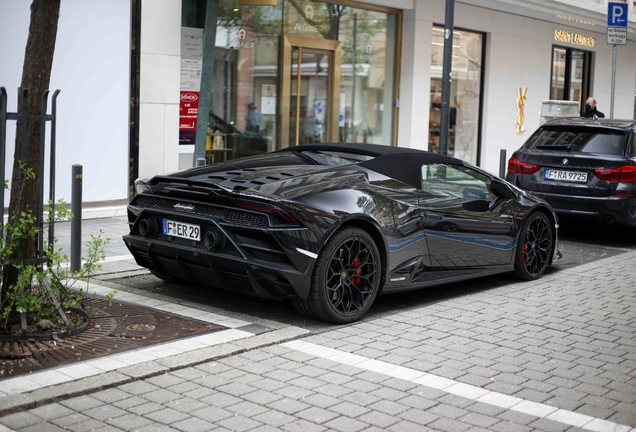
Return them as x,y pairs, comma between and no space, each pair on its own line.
480,206
501,189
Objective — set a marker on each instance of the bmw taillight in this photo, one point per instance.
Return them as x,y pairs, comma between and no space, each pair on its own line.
518,167
625,174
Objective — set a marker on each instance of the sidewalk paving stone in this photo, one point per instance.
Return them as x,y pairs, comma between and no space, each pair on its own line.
555,354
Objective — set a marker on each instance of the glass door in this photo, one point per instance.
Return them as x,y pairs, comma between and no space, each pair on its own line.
309,104
571,75
576,76
310,91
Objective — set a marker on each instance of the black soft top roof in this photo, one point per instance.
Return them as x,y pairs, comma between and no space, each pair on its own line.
401,163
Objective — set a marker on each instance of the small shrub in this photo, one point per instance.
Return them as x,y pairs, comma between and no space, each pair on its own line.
40,288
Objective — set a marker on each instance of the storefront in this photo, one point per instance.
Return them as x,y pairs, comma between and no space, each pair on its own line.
303,71
294,73
313,71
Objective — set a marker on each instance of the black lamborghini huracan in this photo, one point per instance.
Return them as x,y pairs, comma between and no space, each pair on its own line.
330,226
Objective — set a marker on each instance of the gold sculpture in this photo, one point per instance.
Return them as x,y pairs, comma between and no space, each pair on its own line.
521,96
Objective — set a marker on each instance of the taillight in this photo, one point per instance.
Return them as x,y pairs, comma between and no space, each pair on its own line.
267,208
518,167
625,174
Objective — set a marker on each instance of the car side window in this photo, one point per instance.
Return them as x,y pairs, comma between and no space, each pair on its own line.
442,180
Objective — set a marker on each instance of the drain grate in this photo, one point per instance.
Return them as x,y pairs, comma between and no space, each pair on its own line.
114,328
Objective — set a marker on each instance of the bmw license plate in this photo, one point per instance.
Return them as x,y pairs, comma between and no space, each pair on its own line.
569,176
182,230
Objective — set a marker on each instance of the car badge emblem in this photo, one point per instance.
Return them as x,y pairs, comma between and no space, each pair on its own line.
565,161
184,207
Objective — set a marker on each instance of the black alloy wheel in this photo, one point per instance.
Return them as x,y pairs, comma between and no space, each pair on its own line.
346,278
534,250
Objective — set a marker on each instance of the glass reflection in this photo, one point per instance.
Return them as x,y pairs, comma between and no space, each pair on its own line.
465,93
309,107
576,76
368,63
558,74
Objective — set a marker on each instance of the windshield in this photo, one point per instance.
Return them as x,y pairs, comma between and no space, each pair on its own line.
573,139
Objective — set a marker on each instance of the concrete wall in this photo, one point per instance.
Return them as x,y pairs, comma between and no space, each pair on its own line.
91,67
159,87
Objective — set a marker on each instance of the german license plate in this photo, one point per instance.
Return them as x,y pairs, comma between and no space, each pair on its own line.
182,230
568,176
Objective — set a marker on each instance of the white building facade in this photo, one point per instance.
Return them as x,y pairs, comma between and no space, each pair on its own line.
314,71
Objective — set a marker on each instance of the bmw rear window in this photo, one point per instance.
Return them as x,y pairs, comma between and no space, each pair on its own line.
573,139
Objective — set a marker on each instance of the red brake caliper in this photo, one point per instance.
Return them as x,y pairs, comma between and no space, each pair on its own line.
526,248
356,262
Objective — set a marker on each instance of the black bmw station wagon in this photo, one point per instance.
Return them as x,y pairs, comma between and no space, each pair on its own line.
583,167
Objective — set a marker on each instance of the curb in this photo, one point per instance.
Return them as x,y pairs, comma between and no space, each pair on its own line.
24,401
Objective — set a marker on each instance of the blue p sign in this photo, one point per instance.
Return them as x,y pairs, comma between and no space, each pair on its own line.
617,14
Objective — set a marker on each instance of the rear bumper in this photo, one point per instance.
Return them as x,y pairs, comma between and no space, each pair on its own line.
619,210
224,271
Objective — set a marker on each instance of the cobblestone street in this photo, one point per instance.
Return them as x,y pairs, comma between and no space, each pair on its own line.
556,354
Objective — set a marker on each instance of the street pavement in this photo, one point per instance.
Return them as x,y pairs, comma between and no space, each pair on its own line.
557,354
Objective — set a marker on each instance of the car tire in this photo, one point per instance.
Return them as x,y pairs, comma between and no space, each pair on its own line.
535,247
170,279
346,277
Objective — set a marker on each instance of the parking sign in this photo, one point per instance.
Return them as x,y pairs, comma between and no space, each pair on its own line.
617,14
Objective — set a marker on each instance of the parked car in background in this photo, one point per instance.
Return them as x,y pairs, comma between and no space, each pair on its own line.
583,167
330,226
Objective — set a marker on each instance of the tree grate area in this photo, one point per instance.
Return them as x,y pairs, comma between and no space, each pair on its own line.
115,327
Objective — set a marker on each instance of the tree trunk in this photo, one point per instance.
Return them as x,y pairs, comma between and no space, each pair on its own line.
36,75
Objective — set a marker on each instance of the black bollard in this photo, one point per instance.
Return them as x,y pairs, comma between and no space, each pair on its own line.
76,223
502,163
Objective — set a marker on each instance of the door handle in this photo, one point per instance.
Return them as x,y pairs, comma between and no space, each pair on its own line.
433,216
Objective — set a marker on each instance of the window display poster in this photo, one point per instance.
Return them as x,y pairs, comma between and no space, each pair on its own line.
191,65
268,99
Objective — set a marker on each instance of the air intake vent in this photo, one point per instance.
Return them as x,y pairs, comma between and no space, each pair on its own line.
228,215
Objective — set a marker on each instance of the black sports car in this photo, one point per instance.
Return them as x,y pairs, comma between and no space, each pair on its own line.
330,226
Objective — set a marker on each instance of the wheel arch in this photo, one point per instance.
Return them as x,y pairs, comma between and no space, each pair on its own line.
374,231
555,224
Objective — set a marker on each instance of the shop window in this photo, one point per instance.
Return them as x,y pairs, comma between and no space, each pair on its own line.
368,77
353,75
571,75
242,115
465,98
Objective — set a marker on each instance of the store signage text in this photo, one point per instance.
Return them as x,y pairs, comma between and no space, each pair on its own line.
309,28
367,54
580,21
577,39
240,43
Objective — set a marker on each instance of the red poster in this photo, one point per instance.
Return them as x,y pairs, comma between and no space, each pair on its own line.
188,111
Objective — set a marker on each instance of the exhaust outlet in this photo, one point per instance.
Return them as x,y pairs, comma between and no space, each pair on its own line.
213,239
147,227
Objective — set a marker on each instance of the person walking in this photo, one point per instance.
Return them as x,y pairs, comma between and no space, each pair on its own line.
253,118
590,109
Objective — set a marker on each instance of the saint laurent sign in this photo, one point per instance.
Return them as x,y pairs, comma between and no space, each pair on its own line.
577,39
